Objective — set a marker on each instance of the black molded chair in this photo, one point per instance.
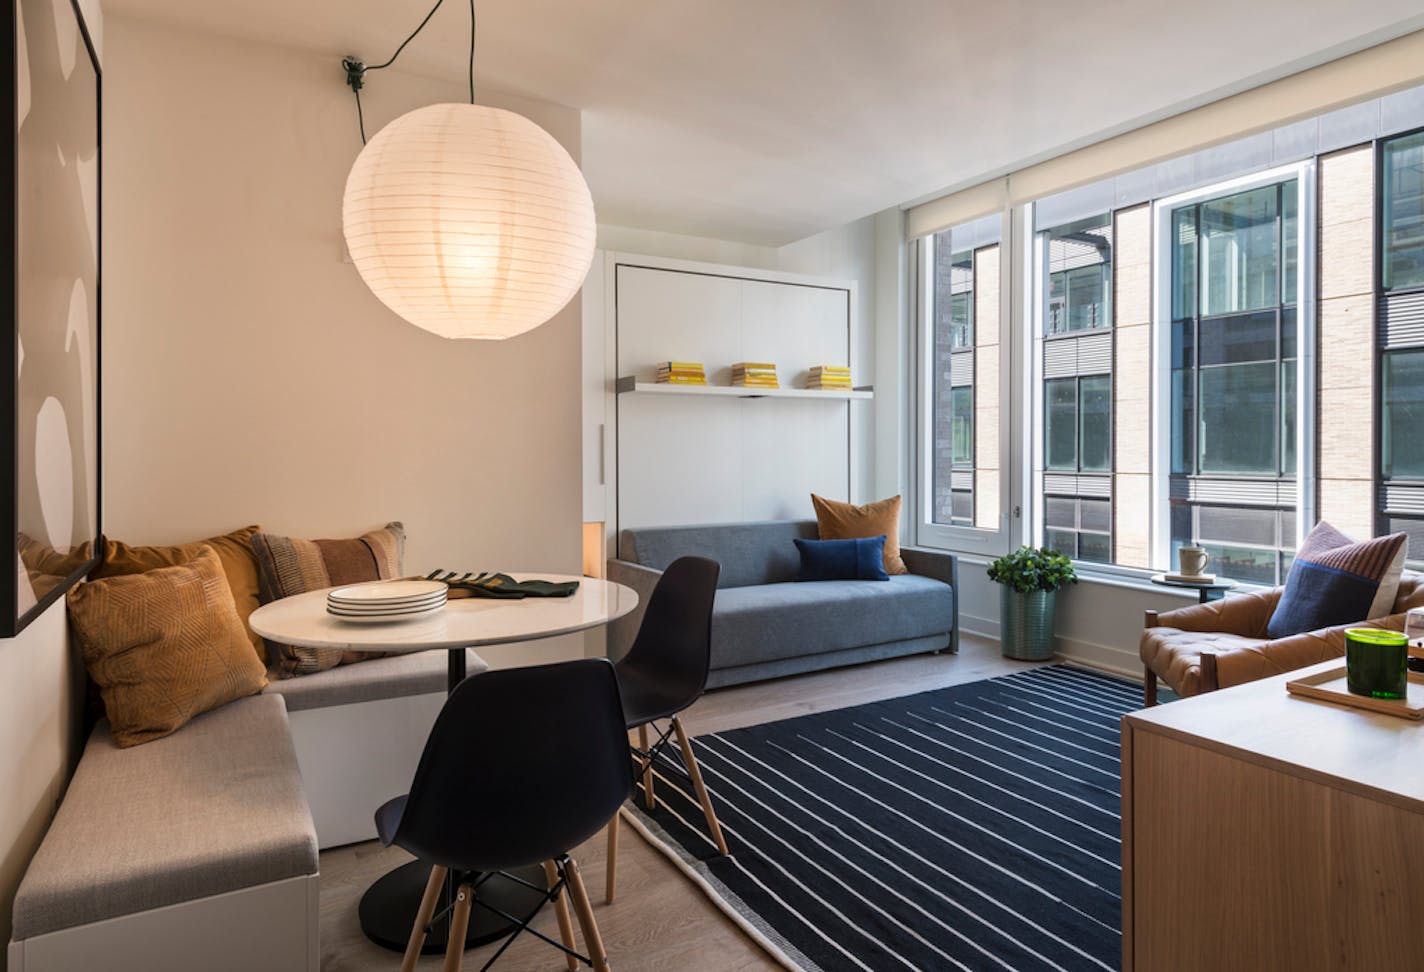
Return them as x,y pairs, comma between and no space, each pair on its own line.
485,801
664,672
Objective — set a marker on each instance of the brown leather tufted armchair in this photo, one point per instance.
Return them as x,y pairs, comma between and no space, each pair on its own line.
1223,643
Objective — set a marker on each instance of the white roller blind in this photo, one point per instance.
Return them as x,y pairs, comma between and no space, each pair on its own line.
1371,73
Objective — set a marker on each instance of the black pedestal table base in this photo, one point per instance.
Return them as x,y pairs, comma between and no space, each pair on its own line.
389,906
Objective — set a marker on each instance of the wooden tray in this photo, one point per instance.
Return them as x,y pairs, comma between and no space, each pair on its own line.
1330,686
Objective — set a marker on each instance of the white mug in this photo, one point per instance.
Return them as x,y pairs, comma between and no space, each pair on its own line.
1192,560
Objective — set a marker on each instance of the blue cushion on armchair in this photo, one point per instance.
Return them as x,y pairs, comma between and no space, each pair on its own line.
825,560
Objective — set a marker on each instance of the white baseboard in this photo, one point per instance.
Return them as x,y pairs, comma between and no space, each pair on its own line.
1106,658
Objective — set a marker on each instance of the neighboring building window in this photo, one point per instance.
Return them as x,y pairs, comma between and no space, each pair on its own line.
953,383
1402,247
1075,262
1233,373
1402,360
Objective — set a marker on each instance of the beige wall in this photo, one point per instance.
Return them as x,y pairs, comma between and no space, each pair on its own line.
38,714
1132,392
1346,408
251,377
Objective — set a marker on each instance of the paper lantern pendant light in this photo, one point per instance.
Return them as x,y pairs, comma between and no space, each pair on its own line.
469,221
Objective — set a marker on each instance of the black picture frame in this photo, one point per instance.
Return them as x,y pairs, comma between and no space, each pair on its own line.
85,551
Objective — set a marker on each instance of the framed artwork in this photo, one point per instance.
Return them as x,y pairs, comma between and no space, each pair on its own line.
49,290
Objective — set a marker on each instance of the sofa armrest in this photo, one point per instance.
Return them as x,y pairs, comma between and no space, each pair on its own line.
940,566
642,580
1246,615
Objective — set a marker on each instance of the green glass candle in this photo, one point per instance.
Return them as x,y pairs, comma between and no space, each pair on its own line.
1375,662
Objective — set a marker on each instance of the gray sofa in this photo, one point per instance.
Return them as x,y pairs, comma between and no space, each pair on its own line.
765,624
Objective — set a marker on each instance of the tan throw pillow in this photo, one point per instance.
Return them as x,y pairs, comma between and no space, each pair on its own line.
234,550
846,521
287,566
163,646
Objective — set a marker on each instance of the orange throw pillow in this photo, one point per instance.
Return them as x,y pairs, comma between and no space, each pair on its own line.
233,549
846,521
163,646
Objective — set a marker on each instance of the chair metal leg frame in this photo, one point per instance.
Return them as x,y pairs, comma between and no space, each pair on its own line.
648,756
560,875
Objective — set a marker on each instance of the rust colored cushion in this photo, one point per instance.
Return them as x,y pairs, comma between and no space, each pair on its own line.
163,646
287,566
846,521
233,549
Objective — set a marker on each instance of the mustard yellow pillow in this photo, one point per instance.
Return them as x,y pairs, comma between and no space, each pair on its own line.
238,563
846,521
163,646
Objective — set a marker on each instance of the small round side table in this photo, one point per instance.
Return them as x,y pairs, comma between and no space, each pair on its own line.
1214,591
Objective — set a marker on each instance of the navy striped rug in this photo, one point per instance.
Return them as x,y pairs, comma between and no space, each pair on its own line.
972,827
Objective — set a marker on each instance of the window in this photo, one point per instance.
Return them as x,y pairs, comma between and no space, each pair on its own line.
1233,368
960,380
1401,399
1402,173
1074,344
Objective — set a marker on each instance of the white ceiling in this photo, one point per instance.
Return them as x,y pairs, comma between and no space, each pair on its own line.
765,121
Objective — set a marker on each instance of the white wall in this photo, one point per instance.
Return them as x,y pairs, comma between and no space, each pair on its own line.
251,377
40,683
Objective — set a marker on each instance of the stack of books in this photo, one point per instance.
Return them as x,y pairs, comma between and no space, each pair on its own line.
754,374
681,373
830,376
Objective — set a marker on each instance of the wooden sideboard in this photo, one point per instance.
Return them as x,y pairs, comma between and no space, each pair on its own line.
1263,831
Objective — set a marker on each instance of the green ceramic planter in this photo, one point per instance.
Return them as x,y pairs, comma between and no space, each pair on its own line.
1026,624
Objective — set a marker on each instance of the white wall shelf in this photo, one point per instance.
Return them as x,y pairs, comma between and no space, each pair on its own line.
629,384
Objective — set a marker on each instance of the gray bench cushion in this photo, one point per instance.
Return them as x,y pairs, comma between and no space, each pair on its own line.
215,807
750,553
395,677
772,621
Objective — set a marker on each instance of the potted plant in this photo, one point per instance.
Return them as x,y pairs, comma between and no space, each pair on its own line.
1030,577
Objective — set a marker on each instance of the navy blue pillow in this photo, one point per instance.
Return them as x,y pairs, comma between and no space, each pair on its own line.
822,560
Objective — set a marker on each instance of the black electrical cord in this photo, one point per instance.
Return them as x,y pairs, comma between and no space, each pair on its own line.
356,70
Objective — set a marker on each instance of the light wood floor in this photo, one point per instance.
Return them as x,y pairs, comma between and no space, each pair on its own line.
660,920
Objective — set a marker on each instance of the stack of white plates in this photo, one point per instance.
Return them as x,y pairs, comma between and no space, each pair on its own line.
381,602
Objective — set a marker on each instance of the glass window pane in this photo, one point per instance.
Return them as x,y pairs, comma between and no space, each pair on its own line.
1239,252
1087,298
1243,563
1288,418
1095,416
1061,512
1237,525
961,412
1060,425
1063,541
1289,239
1096,515
1403,263
1096,547
1237,427
962,506
961,320
1056,315
1414,528
1184,263
1238,339
1403,415
1183,424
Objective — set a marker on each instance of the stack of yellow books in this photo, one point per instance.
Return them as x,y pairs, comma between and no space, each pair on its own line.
754,374
681,373
830,376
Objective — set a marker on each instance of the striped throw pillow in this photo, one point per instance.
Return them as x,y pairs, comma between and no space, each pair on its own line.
1334,580
287,566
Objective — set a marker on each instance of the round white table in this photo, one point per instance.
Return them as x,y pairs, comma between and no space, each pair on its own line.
388,907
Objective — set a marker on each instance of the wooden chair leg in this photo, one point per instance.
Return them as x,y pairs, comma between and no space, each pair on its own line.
694,771
561,908
433,887
1209,682
649,799
611,880
584,910
459,924
1149,687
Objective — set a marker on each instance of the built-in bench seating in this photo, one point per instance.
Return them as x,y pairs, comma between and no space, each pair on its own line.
199,850
196,850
